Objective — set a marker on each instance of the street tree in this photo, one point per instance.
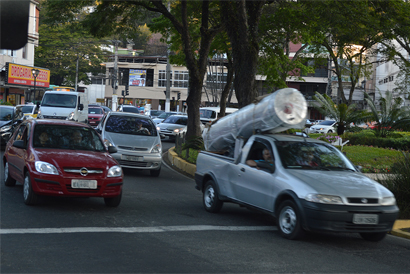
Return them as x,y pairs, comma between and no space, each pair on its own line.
345,31
391,116
343,114
59,48
112,16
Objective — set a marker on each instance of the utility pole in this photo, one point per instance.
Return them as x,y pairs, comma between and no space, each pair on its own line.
168,75
76,75
115,78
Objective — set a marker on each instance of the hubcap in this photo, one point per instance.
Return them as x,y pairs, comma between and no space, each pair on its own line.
209,196
26,187
287,220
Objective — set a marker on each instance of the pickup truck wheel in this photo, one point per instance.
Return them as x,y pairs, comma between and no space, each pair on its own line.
210,198
30,198
8,180
289,221
373,236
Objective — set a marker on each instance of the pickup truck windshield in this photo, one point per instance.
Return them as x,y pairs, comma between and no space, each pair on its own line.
297,155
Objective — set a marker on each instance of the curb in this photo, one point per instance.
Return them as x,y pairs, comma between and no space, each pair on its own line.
190,169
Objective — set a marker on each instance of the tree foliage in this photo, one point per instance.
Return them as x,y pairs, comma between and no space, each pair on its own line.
343,114
60,46
391,116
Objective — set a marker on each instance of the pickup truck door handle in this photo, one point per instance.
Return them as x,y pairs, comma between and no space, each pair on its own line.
242,169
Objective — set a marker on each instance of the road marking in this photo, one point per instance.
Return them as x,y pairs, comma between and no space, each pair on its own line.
133,229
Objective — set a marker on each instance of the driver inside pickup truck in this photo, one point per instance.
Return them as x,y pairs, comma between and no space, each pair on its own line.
267,159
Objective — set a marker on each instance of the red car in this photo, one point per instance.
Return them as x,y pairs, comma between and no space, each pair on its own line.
95,115
61,158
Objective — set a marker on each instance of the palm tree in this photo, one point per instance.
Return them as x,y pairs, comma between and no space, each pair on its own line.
344,115
391,115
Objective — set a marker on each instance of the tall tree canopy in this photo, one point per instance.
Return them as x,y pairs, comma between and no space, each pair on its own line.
60,46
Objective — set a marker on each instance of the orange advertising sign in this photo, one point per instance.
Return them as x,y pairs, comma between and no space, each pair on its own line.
21,75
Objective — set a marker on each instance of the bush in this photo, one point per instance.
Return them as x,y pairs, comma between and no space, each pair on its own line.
399,184
396,141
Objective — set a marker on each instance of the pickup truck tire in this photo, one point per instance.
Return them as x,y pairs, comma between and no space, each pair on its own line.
373,236
210,198
289,221
8,180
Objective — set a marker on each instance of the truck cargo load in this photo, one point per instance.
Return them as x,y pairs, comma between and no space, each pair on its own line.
282,110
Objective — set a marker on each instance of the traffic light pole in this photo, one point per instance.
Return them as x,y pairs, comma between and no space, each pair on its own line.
115,78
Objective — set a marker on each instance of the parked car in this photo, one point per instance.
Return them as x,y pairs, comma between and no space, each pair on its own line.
128,108
310,122
174,125
138,148
94,115
327,126
210,114
40,154
153,113
165,115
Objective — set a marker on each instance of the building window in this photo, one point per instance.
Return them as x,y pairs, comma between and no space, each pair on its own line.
162,78
24,52
96,81
391,78
181,79
216,81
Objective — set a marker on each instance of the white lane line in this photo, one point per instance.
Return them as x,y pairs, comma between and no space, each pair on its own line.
133,229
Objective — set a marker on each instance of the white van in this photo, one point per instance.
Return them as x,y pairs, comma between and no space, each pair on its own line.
209,114
64,105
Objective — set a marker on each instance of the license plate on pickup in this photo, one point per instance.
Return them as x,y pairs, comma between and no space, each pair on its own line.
365,219
131,158
89,184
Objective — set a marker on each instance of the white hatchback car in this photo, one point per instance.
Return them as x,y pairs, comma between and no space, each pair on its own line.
327,126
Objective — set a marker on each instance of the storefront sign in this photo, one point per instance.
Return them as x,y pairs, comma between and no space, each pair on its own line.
21,75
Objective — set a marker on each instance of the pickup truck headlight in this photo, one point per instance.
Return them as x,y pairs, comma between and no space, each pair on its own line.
44,167
324,199
114,171
156,149
388,201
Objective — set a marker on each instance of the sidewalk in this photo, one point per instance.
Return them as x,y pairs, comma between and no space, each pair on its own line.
401,228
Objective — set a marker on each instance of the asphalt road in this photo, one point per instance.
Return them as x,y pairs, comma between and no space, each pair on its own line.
161,227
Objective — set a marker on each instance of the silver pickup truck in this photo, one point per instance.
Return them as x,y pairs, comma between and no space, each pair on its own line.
306,184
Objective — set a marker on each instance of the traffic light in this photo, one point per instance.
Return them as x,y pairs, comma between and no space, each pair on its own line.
122,93
127,92
179,96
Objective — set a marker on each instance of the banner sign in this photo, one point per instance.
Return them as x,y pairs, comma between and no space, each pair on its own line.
137,77
21,75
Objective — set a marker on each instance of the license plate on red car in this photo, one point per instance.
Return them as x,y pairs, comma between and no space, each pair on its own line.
90,184
365,219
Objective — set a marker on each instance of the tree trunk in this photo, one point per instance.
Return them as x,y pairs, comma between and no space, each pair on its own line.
241,19
340,129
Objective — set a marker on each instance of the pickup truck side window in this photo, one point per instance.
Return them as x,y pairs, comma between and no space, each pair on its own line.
260,156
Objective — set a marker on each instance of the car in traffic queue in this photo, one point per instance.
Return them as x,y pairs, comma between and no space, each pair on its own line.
326,126
174,125
94,115
153,113
138,148
42,155
28,110
129,108
10,119
106,109
165,115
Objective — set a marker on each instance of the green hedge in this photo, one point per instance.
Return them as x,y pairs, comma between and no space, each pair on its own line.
396,141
